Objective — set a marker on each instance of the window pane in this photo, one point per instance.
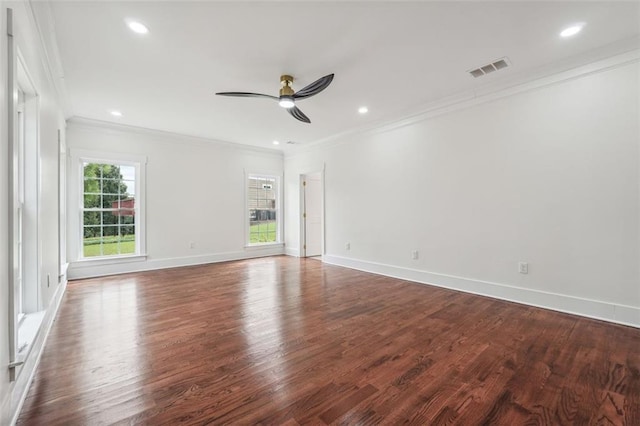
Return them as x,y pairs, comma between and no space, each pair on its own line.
109,218
92,250
127,224
125,205
92,242
92,186
109,232
110,201
92,232
92,170
91,201
128,188
91,218
111,172
128,245
128,172
110,246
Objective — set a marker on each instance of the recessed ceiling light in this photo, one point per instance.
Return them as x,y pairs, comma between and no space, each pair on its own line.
572,30
116,113
363,110
276,143
137,27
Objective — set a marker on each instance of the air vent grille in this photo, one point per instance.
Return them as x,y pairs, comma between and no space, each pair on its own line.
489,68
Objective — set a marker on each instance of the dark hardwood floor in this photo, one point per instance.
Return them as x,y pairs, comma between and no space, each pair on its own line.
290,341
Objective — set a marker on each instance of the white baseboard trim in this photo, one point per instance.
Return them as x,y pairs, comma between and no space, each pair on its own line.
19,389
292,252
78,271
619,314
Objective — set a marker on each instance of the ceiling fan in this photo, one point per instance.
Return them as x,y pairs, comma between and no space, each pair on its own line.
288,97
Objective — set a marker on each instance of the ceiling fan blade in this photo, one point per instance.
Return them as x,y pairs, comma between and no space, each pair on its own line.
314,88
299,115
246,95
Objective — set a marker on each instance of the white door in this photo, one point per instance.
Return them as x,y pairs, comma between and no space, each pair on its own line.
312,214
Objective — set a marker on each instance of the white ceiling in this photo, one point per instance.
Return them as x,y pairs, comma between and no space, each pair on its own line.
394,57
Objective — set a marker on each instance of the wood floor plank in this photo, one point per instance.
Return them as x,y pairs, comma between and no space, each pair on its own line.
290,341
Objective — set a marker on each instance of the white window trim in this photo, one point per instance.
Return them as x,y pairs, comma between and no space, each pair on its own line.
279,210
77,157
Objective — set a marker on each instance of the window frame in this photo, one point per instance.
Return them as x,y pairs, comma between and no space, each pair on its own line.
278,208
139,163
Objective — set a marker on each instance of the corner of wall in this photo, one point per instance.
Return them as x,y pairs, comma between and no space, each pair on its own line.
292,252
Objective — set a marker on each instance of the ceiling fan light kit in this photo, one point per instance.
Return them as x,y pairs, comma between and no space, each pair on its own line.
286,92
288,97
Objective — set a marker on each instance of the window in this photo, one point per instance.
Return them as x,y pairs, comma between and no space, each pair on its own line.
26,304
263,209
110,209
20,204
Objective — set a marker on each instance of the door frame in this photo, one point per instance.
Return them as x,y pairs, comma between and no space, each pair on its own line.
303,230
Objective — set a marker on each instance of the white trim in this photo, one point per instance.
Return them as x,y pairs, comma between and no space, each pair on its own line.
620,314
83,123
108,260
261,245
64,268
302,200
302,251
106,156
470,99
11,105
80,271
18,391
292,252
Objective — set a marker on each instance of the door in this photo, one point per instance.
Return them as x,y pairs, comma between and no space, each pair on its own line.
312,214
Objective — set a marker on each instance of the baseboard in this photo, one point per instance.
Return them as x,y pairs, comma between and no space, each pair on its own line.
292,252
79,271
619,314
19,389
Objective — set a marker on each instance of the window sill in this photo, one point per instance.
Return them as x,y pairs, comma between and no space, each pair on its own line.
28,331
263,245
110,260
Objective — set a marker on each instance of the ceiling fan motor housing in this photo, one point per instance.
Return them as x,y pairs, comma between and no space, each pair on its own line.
286,81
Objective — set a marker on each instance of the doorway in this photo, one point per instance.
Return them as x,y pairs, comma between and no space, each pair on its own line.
312,214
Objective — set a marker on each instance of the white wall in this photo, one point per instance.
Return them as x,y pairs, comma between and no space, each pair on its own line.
548,176
195,193
28,41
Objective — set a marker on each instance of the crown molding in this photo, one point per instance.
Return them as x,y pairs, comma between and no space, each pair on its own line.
166,136
541,78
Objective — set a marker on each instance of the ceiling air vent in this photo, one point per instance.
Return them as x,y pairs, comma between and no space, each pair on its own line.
487,69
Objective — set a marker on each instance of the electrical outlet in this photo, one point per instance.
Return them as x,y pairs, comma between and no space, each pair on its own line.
347,246
48,280
192,244
523,267
414,255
